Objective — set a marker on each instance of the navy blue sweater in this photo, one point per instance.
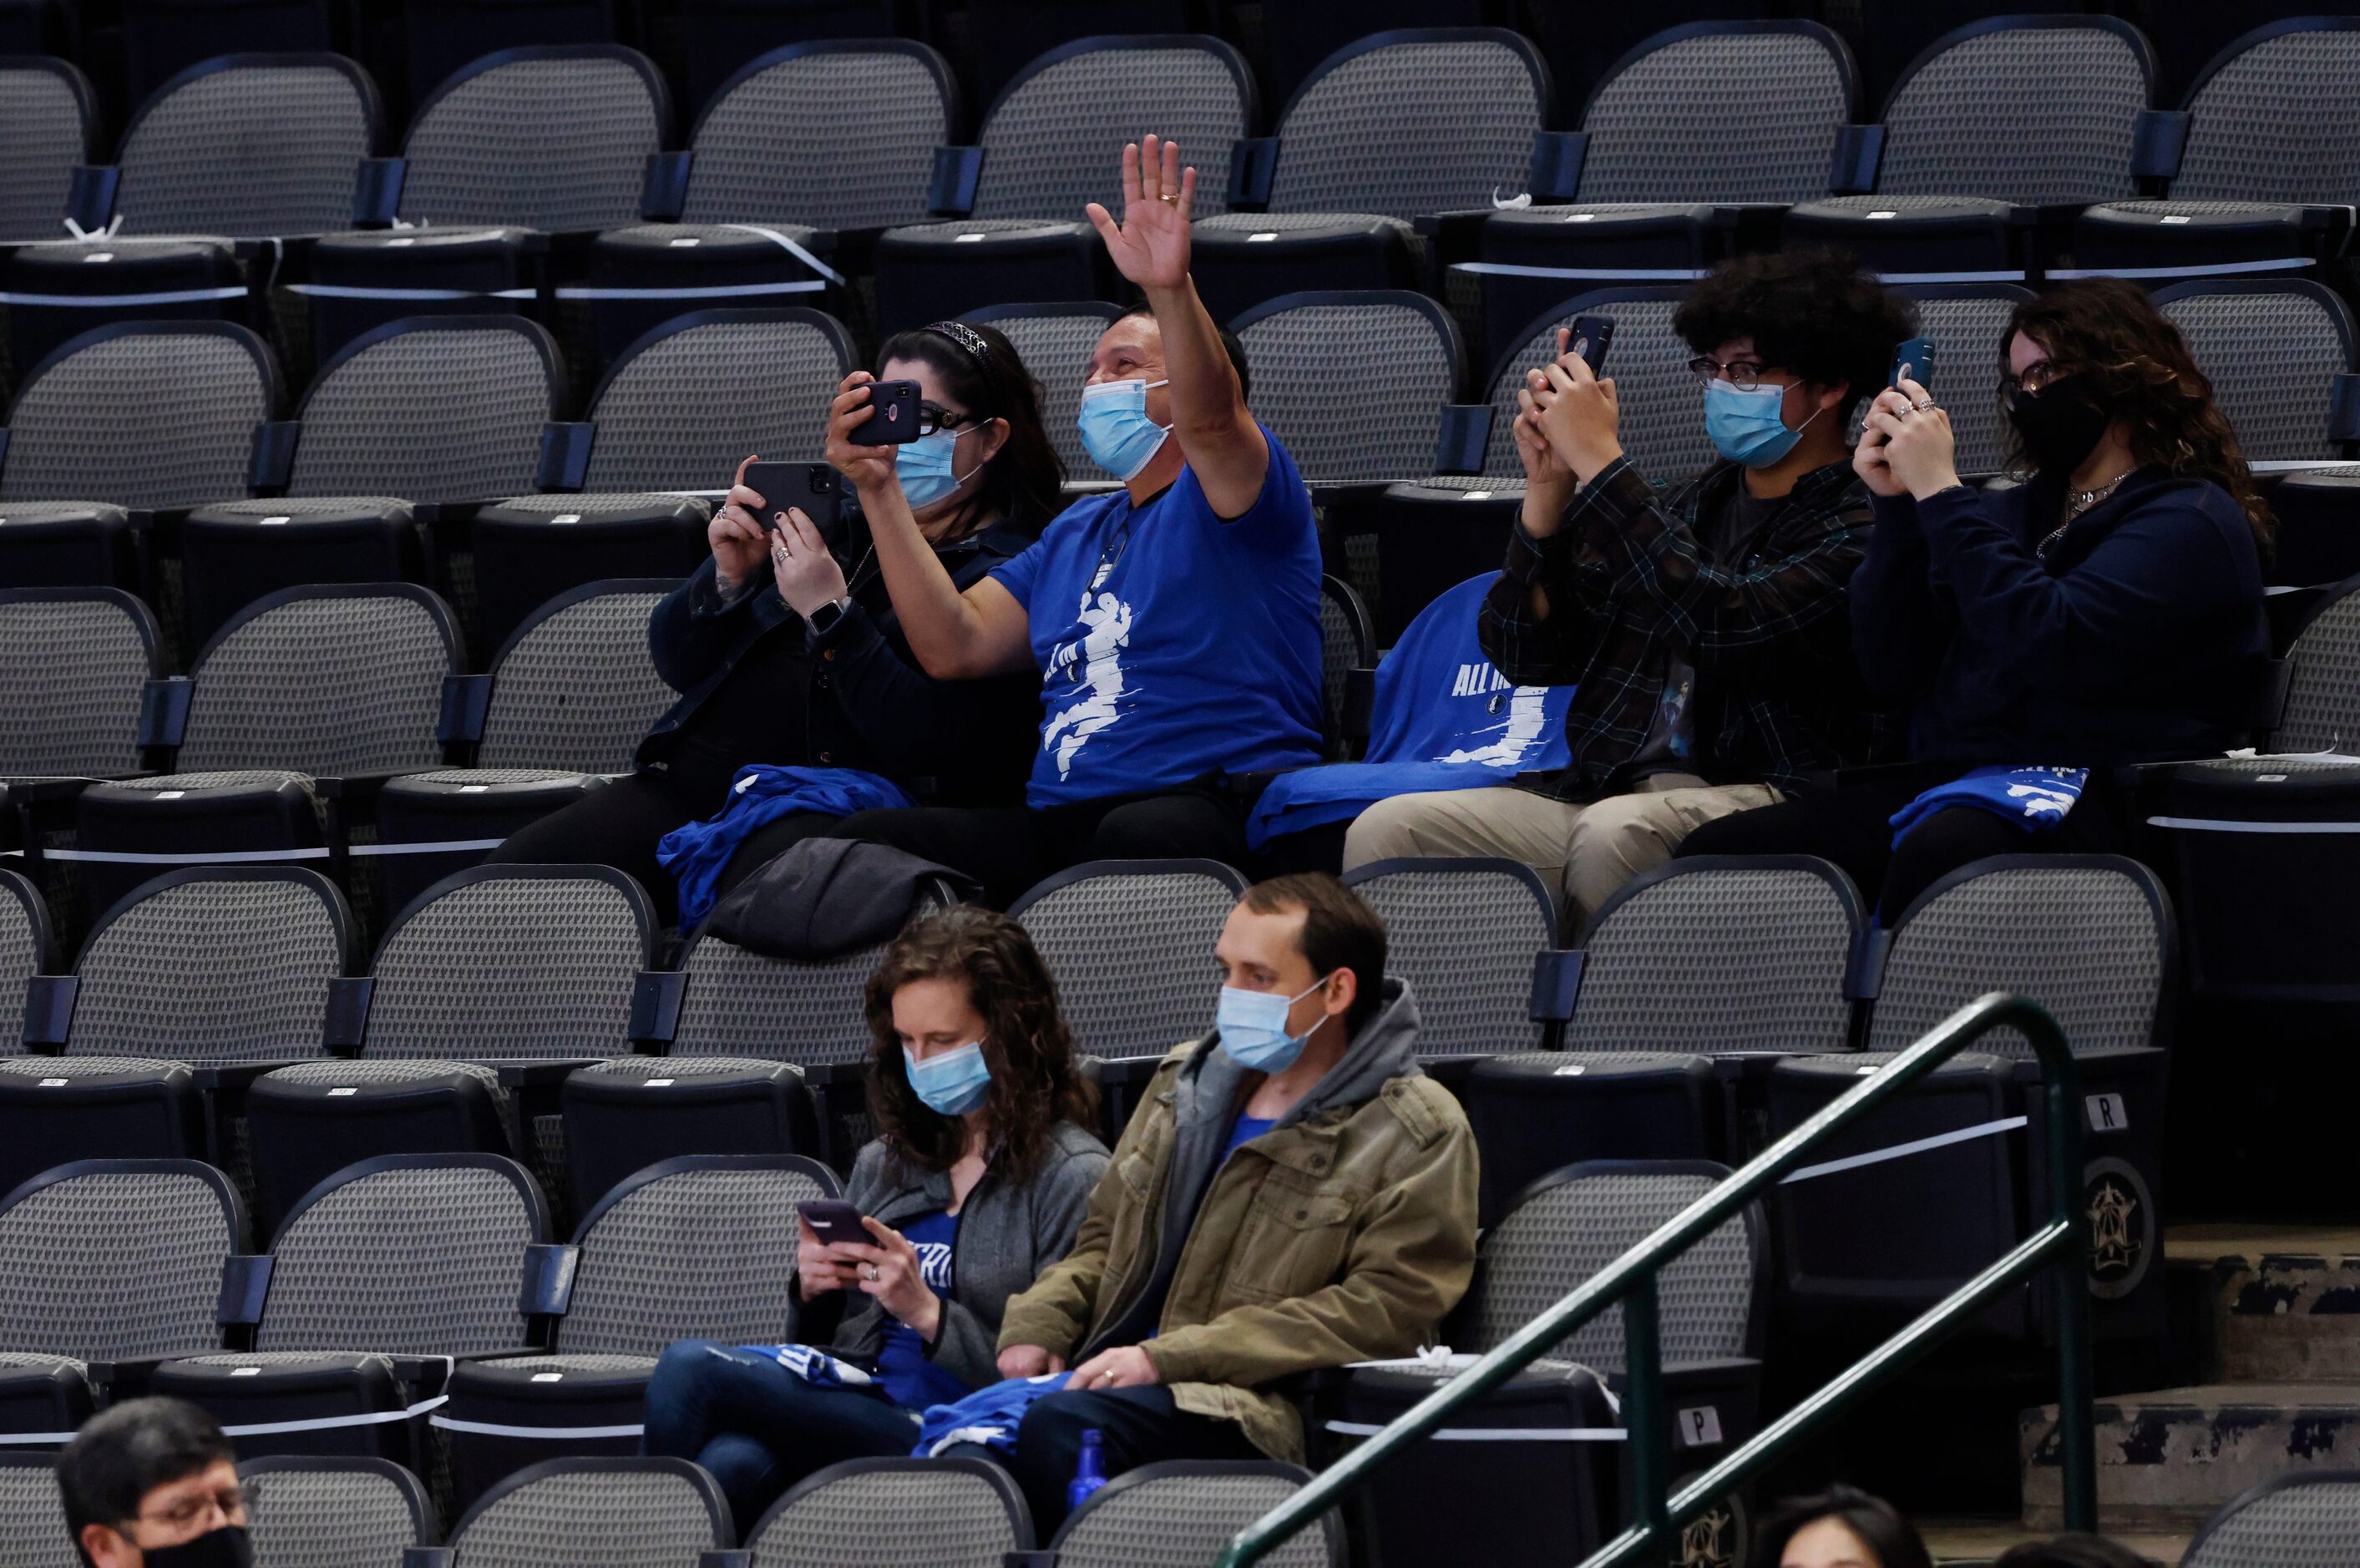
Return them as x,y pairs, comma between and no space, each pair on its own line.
2140,637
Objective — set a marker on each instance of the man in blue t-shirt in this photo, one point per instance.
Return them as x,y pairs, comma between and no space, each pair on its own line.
1175,622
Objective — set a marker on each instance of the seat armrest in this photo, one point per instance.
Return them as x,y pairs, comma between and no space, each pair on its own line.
549,1272
1860,149
1359,708
48,1012
1127,1071
164,710
735,1557
1557,983
950,193
246,1285
273,462
1555,172
130,1376
664,191
90,200
346,1024
539,1073
656,996
2158,137
1253,163
376,193
1461,442
564,466
429,1557
466,699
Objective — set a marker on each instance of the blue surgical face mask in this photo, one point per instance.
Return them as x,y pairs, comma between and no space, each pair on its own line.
1254,1028
924,467
1116,429
951,1082
1747,427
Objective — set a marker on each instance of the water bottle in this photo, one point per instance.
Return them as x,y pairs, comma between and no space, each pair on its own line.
1090,1474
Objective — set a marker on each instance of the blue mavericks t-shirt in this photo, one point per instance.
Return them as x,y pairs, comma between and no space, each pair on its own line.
909,1379
1172,644
1443,719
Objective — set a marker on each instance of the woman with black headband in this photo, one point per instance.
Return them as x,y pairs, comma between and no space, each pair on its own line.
787,653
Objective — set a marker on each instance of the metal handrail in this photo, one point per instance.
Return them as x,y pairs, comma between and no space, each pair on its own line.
1631,1280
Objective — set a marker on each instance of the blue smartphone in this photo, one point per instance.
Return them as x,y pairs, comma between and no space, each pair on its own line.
1913,359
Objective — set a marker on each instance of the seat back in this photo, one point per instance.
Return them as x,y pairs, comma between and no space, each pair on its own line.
1663,428
512,961
329,679
1671,124
775,146
24,948
1129,943
2254,132
2089,937
1463,932
1968,321
1187,1511
1397,349
334,1511
597,1513
1721,956
2302,1516
47,105
2323,707
1056,342
33,1531
2272,349
185,396
1469,99
667,421
248,146
2026,109
66,1235
574,687
213,964
740,1003
431,408
407,1255
1050,140
73,662
1572,1222
699,1247
554,137
947,1513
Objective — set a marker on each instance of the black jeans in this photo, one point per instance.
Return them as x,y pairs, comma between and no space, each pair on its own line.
1010,849
1852,826
1135,1427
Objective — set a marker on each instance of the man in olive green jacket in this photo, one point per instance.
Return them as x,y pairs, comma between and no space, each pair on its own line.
1281,1202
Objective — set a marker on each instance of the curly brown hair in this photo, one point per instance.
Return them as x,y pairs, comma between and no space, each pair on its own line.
1036,1082
2137,364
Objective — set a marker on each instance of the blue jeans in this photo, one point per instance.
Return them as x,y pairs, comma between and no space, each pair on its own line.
759,1428
1135,1427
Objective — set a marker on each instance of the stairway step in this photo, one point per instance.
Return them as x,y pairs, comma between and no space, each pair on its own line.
2167,1459
1966,1542
2279,1304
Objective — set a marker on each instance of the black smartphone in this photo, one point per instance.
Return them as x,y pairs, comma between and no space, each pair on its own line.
832,1220
1913,359
813,487
894,415
1592,334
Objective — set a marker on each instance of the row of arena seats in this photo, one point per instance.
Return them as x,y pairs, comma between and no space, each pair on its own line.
360,1512
543,178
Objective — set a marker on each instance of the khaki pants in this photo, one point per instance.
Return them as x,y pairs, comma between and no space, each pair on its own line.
1582,852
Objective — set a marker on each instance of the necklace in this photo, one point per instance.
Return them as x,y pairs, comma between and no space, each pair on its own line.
2076,503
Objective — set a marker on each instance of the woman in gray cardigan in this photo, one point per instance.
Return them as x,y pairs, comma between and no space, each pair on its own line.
976,1182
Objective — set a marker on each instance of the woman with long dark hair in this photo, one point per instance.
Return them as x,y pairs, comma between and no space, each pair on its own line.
1840,1528
787,651
975,1182
2106,610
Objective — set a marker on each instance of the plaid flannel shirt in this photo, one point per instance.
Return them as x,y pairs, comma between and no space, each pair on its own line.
1778,698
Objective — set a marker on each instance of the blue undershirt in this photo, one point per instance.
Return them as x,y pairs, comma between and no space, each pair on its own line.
904,1371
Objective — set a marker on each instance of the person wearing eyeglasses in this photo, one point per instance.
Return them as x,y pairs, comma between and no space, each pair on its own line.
153,1484
787,653
1702,625
2105,611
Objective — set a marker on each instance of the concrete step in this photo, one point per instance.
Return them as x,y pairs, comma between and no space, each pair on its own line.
1969,1542
2167,1459
2273,1303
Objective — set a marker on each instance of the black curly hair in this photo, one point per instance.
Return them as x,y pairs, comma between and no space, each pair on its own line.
1811,313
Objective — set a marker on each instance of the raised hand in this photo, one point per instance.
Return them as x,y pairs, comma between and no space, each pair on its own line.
868,467
740,551
1151,244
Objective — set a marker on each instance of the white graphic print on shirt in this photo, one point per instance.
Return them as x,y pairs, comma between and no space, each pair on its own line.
1527,717
935,1264
1099,654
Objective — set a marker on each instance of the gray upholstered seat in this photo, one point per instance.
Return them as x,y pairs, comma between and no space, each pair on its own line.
771,147
2322,709
24,946
1187,1511
670,417
33,1531
73,662
49,108
334,1511
2273,350
250,147
947,1513
2311,1519
1400,349
1129,943
597,1513
551,138
1464,933
1666,126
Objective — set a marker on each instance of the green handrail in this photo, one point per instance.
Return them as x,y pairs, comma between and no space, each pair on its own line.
2057,1245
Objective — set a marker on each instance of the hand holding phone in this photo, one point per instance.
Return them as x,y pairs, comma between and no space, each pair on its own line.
814,488
832,1220
894,414
1588,337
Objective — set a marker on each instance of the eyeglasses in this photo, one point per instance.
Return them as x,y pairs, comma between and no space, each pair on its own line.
231,1500
1744,375
2048,372
933,417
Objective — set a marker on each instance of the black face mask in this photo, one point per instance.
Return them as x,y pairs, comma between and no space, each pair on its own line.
2058,424
227,1546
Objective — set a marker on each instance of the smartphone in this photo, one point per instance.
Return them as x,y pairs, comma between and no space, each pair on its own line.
1592,334
813,487
833,1219
894,415
1913,359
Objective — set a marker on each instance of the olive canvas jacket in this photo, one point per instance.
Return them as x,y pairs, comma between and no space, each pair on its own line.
1343,1234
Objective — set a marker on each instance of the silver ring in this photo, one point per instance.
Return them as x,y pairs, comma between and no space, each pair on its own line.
869,1270
1923,403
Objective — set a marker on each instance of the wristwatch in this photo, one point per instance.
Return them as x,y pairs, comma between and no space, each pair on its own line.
823,620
